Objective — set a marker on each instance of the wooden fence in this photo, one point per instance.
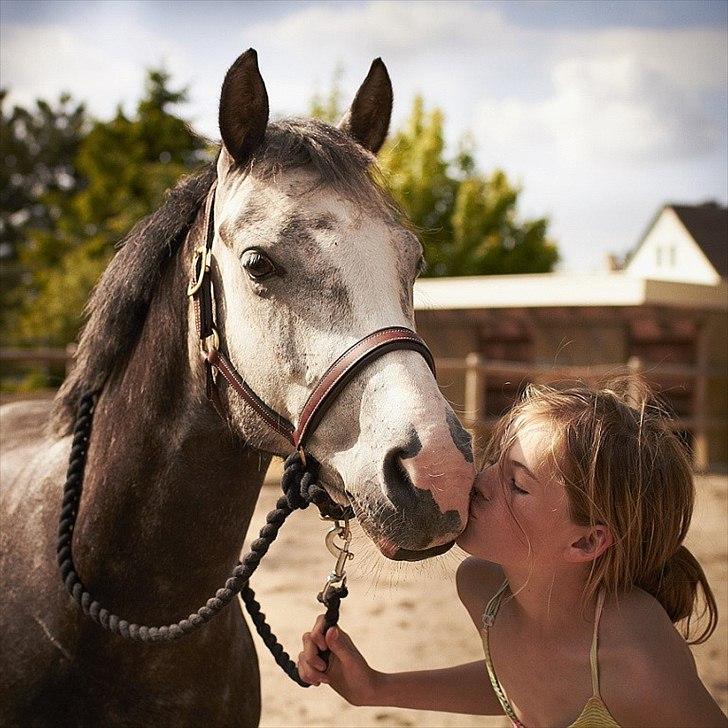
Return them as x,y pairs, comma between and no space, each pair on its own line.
44,356
476,372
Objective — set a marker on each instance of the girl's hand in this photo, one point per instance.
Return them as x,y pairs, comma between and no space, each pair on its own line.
348,672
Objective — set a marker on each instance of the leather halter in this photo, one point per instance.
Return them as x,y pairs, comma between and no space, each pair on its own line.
328,388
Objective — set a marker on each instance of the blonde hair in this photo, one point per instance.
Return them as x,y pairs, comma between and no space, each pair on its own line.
623,467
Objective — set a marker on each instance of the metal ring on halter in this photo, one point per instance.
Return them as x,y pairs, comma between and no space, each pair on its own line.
211,343
203,256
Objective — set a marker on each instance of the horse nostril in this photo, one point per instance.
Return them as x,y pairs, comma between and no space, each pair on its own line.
395,474
419,519
397,482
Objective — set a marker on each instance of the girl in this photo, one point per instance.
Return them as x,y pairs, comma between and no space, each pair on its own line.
576,575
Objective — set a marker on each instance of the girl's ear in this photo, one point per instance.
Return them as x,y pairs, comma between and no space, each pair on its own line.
591,544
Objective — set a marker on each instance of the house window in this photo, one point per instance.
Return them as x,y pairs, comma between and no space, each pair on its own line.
658,256
673,256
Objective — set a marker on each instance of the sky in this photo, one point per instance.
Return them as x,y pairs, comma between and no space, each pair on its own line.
602,111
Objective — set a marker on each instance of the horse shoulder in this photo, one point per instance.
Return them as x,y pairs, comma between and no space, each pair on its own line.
30,455
34,617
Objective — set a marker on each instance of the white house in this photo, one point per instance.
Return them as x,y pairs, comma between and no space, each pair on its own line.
686,243
664,316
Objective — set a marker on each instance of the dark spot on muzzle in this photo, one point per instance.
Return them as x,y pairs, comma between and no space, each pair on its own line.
420,520
460,436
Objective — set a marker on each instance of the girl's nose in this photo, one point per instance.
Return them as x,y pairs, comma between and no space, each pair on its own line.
483,483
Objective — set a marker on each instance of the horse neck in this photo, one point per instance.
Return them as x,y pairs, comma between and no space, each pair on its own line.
169,490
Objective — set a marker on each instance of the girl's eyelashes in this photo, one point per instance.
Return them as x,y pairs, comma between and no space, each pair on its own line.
515,487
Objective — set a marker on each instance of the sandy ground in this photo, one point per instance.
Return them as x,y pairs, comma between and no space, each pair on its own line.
407,616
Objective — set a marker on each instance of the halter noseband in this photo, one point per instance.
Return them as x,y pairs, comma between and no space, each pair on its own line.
328,388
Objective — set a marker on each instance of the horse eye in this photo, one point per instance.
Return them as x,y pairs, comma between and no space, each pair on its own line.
257,265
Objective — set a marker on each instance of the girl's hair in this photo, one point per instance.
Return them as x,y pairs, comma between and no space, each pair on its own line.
622,466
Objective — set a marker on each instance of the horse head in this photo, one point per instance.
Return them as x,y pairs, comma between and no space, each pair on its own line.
311,255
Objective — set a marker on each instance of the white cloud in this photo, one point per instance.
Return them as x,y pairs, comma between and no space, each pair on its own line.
387,28
690,58
602,110
600,125
103,62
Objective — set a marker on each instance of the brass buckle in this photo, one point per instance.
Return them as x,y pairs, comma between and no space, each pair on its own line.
210,343
203,256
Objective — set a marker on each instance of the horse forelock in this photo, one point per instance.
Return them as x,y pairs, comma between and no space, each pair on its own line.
337,161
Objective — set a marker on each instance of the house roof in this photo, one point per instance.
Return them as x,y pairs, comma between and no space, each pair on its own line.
708,225
540,290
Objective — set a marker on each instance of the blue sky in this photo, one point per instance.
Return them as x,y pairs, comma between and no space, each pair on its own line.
602,110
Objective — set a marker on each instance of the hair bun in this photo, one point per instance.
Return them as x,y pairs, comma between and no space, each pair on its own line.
668,587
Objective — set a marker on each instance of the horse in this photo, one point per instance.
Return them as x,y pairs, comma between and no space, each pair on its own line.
310,254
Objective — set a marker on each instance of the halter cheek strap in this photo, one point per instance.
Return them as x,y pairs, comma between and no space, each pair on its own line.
328,388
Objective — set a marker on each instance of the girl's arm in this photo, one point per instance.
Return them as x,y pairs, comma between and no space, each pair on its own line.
459,689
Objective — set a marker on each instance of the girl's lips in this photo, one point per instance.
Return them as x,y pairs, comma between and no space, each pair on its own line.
473,496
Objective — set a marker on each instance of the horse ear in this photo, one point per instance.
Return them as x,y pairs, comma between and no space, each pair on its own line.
367,120
243,107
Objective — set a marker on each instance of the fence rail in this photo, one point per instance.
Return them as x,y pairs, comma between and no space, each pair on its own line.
477,371
43,355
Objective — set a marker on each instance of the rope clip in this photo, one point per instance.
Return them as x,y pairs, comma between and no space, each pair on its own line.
342,553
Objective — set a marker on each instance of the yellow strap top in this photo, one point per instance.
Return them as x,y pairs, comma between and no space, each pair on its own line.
595,713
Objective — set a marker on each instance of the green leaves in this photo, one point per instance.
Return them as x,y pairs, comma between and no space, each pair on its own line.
81,186
466,220
328,108
72,187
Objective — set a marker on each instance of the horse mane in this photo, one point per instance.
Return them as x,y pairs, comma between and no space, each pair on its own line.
118,306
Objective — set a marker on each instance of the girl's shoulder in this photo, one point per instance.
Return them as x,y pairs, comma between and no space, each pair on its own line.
477,581
639,646
637,624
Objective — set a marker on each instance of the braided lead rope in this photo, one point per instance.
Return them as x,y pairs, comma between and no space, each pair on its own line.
300,488
332,602
282,658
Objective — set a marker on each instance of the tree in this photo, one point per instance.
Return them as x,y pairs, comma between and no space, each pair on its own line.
328,108
38,147
467,221
418,176
126,165
487,236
